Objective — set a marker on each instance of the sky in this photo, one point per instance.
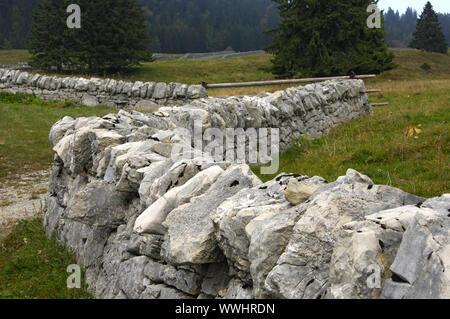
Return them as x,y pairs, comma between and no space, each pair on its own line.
442,6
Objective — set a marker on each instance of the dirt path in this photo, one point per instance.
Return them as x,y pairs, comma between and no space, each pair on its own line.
22,198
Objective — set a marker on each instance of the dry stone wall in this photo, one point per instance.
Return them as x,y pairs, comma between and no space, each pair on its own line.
91,92
145,225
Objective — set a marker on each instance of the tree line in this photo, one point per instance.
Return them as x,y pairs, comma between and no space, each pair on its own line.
312,38
209,25
175,26
205,25
15,22
112,36
400,27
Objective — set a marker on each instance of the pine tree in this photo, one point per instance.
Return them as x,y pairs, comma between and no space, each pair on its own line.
323,38
47,37
429,35
113,36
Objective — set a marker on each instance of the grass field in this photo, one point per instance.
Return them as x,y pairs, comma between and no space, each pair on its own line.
14,56
34,267
374,145
31,265
407,76
377,146
25,123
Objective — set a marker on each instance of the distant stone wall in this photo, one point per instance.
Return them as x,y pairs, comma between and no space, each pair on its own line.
91,92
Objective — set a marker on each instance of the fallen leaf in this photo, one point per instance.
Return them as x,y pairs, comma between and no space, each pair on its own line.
413,131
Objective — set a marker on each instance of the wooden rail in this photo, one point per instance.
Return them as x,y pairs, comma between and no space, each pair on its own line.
278,82
379,104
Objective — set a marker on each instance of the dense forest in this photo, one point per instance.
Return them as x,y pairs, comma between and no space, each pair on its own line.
15,22
176,26
179,26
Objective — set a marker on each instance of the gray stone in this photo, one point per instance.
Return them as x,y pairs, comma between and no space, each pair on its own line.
81,85
297,193
89,100
160,91
98,204
439,204
303,269
216,279
59,129
131,277
423,259
150,221
357,266
136,89
269,234
233,215
150,246
196,92
147,106
127,88
190,236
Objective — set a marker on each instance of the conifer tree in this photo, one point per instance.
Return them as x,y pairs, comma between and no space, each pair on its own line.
113,36
325,38
46,40
429,35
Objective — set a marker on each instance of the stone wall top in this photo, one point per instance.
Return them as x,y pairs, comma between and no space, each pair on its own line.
94,91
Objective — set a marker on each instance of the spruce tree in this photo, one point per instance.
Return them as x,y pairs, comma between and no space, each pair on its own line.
113,37
46,40
429,35
326,38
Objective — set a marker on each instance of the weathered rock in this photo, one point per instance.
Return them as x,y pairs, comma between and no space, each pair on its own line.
297,193
196,91
160,91
60,128
187,281
151,220
400,218
232,217
147,106
215,279
303,269
131,277
440,204
190,231
81,85
365,251
89,100
269,235
98,204
357,264
420,269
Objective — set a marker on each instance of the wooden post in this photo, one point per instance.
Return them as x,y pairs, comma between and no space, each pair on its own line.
379,104
373,91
